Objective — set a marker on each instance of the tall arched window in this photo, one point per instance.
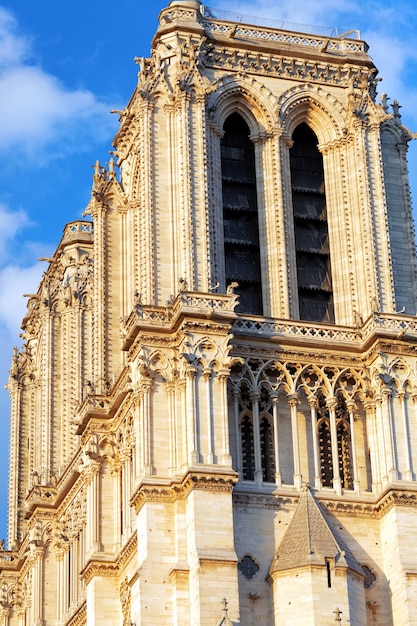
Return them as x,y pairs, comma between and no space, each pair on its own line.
248,449
325,443
315,294
240,215
256,435
344,446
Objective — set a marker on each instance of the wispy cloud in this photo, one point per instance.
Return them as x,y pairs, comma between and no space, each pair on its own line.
14,46
389,28
15,281
12,223
40,118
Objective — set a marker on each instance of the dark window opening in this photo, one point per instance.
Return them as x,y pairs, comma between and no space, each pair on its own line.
240,215
329,572
315,292
344,445
267,450
248,450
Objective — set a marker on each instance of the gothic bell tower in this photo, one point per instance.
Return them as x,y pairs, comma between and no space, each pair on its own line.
213,415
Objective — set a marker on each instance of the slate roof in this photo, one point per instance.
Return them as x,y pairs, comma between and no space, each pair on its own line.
310,539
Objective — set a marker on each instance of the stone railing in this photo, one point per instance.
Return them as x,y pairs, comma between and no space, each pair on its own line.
279,328
388,324
186,301
251,27
282,36
80,228
398,324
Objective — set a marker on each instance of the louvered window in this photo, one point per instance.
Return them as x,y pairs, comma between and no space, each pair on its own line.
240,214
315,293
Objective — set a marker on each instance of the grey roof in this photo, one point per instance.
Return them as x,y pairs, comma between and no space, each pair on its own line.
310,539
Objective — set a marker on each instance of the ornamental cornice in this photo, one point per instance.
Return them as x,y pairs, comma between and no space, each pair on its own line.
280,65
370,506
109,568
265,501
396,497
95,567
169,493
301,357
80,616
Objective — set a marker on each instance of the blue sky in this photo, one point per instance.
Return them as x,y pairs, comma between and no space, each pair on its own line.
64,66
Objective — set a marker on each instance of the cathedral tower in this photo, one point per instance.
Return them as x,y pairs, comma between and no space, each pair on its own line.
214,411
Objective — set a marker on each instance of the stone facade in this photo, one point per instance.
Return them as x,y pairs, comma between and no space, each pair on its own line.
213,413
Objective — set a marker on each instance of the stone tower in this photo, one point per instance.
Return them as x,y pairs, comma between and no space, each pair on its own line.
214,411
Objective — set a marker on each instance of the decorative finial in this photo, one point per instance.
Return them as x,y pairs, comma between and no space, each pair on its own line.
224,607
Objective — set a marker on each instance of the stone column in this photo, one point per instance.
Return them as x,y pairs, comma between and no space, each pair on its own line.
60,609
236,395
207,380
312,401
254,396
372,430
93,509
337,484
222,378
146,387
192,452
146,167
350,404
386,414
293,401
38,554
278,475
408,474
126,470
173,428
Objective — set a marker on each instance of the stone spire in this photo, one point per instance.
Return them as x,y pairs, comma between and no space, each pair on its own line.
310,540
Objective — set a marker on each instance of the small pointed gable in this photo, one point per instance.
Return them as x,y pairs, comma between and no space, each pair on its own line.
310,540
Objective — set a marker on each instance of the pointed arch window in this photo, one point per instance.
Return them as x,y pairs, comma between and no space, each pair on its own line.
248,449
256,434
314,280
344,446
267,449
240,215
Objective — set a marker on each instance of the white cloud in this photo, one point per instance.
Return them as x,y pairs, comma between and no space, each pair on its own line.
39,116
388,27
14,46
14,282
39,110
12,223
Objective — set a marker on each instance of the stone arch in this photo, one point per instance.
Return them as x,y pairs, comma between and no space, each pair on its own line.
349,383
313,381
159,363
400,373
251,99
206,352
277,376
323,113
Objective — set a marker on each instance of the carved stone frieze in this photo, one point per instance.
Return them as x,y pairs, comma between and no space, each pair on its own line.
80,616
279,65
97,567
147,492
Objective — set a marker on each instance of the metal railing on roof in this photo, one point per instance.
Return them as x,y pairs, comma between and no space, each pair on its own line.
243,18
